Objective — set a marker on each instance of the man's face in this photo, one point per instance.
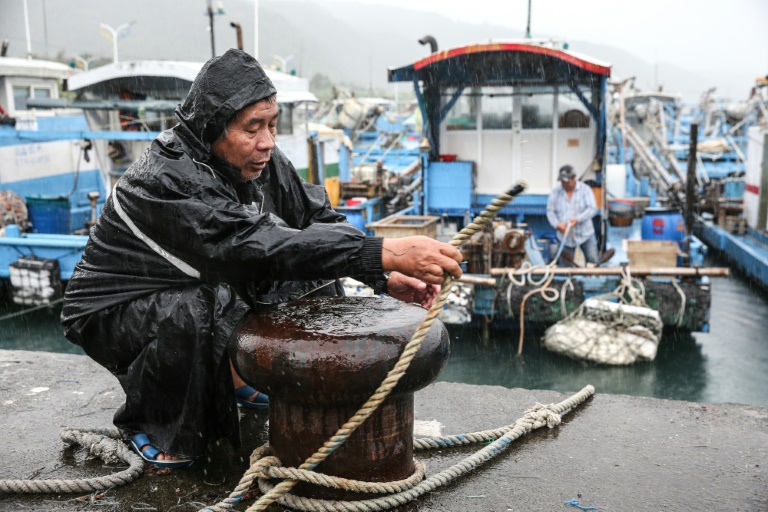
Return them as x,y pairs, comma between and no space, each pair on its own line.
570,184
250,139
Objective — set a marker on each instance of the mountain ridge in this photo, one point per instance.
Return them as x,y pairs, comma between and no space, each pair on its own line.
348,42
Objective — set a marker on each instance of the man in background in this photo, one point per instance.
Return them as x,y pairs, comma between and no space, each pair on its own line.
570,209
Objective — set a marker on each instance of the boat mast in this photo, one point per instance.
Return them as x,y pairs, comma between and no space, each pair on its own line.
528,28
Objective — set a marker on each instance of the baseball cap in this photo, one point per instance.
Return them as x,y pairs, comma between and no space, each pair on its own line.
566,173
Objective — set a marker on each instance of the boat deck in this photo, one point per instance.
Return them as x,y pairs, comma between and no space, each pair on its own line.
748,252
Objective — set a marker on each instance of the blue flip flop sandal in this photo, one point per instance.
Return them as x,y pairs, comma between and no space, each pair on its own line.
243,393
150,454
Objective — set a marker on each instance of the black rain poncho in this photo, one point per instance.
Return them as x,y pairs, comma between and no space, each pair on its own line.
160,318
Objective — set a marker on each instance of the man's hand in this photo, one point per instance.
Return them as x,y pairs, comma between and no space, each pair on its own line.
573,222
421,257
561,227
410,289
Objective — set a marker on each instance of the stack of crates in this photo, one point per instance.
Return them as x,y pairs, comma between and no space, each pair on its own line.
35,281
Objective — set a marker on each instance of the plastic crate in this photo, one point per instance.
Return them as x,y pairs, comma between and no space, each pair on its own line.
35,281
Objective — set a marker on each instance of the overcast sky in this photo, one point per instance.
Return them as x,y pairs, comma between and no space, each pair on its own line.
697,34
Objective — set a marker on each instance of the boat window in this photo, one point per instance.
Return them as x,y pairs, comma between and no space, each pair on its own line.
285,121
463,115
41,92
496,108
22,93
20,96
537,109
571,112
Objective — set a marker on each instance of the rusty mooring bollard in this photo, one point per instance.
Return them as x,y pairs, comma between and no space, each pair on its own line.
319,360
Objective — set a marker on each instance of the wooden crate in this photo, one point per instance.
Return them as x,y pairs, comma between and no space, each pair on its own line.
735,225
652,253
398,226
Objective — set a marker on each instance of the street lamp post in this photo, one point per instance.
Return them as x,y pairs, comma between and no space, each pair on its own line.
86,63
283,62
114,34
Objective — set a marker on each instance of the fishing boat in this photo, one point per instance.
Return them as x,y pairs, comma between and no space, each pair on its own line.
129,103
653,134
499,112
51,186
62,156
734,203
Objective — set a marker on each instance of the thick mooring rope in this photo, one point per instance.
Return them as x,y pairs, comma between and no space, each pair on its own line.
393,377
547,293
264,466
103,443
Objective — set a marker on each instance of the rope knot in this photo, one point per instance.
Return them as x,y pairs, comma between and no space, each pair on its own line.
541,415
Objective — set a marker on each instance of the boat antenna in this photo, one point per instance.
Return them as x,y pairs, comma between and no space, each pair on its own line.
528,28
432,42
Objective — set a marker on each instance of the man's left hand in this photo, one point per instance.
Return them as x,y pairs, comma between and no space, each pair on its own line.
410,289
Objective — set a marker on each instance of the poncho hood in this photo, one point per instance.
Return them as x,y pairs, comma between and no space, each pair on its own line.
224,86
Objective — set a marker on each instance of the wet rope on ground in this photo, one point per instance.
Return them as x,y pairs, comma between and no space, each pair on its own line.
394,376
265,466
103,443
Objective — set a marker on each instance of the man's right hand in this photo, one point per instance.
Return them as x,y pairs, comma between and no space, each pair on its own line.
561,227
421,257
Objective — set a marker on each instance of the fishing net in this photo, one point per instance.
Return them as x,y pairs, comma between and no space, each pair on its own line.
13,210
607,332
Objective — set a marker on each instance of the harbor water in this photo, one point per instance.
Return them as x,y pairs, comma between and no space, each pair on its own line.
728,364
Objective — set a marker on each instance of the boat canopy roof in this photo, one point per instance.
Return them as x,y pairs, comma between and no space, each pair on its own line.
504,63
34,68
168,80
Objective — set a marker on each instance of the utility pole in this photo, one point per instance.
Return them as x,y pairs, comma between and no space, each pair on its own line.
210,27
45,30
26,24
211,13
528,28
690,184
256,29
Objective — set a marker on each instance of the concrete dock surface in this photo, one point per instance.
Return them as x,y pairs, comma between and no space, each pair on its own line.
615,452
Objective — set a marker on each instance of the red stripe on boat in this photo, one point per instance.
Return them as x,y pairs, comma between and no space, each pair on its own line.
515,47
752,188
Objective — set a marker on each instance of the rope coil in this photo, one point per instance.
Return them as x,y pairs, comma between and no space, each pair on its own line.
264,466
105,444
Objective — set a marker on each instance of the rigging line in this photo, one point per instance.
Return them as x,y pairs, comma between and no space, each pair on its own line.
30,310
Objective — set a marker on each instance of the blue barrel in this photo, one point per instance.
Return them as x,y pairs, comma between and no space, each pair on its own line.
663,224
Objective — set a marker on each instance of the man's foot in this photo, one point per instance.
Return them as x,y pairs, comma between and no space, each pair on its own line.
142,446
252,399
607,255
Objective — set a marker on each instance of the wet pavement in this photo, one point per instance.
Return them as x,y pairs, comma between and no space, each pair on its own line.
617,452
